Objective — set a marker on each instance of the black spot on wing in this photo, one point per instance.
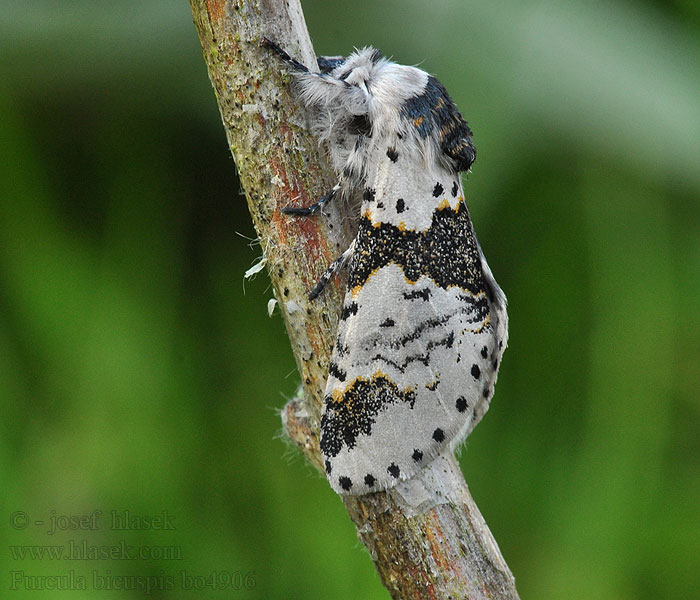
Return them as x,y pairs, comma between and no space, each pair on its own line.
461,404
388,322
337,372
425,294
350,309
394,470
368,195
417,455
438,190
400,205
345,483
370,480
476,371
392,154
455,189
439,435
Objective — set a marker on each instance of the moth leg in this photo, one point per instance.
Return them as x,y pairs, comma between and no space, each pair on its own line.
325,63
322,79
338,264
353,172
314,208
294,64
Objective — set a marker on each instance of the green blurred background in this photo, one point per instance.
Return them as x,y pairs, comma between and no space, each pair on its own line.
139,373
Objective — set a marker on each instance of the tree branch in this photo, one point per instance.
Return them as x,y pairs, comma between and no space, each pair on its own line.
426,536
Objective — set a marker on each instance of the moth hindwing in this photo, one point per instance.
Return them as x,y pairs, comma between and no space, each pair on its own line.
423,325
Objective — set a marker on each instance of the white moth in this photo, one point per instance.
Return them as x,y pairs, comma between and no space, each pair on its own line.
423,324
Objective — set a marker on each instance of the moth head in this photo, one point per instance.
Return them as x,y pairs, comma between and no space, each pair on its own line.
376,89
359,68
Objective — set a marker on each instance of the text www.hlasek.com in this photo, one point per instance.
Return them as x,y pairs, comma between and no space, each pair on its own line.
81,550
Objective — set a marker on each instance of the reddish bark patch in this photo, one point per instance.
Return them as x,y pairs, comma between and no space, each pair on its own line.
215,8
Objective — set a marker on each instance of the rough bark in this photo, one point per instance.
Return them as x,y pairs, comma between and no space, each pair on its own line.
426,537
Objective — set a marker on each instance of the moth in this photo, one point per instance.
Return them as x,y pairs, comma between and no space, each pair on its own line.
423,325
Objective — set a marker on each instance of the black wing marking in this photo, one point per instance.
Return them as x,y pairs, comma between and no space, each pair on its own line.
434,113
